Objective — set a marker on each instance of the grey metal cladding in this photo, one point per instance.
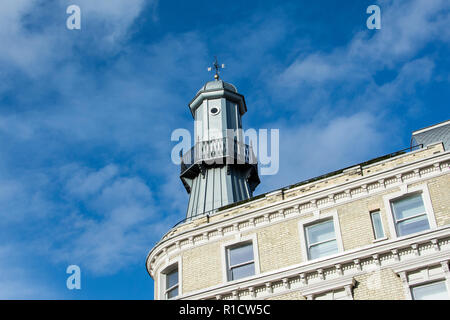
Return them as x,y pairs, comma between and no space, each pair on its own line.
437,133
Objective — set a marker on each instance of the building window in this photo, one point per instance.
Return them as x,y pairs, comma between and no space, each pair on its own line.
377,225
241,262
321,239
171,283
338,289
430,291
409,214
431,282
339,294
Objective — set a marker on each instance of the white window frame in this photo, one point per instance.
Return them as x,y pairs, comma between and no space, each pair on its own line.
346,283
235,243
411,287
165,269
332,293
317,219
373,226
405,191
231,267
425,279
176,286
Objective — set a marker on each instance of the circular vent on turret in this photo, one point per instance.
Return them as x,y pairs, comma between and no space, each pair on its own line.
214,111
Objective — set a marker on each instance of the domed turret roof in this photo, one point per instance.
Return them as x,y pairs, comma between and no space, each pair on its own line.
217,85
215,90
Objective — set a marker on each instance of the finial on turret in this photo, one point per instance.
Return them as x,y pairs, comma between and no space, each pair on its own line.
217,67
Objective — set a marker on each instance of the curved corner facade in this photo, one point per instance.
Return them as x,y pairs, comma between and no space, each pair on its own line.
378,230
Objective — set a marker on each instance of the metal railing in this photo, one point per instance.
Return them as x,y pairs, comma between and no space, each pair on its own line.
218,151
206,214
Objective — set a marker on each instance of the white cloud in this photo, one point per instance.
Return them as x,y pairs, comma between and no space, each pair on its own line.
18,280
82,183
23,199
113,223
319,147
38,47
103,218
111,19
20,48
353,116
13,125
317,68
363,131
407,26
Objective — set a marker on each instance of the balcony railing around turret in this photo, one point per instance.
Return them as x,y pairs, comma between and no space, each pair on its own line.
217,152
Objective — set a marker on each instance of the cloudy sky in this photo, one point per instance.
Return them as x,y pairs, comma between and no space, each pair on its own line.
86,115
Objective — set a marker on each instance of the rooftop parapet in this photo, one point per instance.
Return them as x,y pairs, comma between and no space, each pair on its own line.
309,186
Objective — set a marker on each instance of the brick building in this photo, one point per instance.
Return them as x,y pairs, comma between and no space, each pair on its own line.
376,230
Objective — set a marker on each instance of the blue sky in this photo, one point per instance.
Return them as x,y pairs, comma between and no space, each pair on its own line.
86,115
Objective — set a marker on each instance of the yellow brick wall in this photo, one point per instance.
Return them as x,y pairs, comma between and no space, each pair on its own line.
378,285
202,267
355,221
439,189
279,246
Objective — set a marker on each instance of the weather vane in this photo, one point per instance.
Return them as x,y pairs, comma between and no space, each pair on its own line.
217,67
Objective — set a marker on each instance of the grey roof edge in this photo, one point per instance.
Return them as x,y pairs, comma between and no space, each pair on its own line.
440,124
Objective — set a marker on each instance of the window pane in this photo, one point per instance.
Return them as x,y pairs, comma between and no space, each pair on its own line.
413,225
172,293
320,232
323,249
243,271
407,207
433,291
241,254
377,225
171,279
